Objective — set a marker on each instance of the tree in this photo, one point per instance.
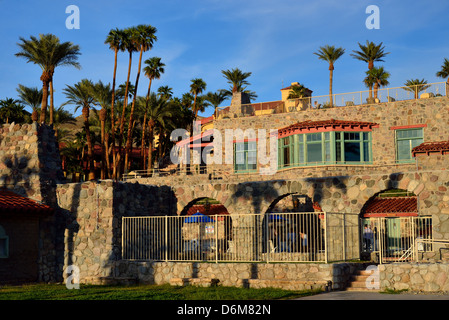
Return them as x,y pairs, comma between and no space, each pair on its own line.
444,73
165,91
237,79
115,42
416,86
31,97
159,113
376,77
12,110
143,37
216,98
80,95
152,70
197,87
47,52
370,53
102,95
330,54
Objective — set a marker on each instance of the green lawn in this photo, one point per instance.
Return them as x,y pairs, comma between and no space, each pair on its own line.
143,292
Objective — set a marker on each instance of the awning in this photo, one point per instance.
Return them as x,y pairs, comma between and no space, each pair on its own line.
198,217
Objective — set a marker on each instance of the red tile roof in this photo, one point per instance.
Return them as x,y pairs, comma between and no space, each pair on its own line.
11,202
214,209
396,206
427,147
331,124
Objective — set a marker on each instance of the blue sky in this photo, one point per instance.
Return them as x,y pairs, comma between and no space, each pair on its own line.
275,40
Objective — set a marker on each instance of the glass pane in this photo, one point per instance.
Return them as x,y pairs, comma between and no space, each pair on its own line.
337,135
327,151
240,158
352,151
366,151
327,135
252,157
300,137
338,151
239,146
301,153
314,136
286,156
366,136
314,153
252,145
404,152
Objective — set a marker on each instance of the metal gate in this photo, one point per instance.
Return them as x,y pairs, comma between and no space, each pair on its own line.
392,239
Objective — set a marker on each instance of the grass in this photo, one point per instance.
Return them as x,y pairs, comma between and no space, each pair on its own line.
144,292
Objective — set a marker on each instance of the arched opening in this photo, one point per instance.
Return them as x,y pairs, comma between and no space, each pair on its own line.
390,223
292,226
205,230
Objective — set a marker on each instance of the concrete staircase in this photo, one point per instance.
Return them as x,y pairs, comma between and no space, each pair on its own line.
363,280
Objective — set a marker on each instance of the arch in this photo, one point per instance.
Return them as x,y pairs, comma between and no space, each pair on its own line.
391,202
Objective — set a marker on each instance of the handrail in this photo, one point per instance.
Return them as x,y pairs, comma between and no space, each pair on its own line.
431,241
411,93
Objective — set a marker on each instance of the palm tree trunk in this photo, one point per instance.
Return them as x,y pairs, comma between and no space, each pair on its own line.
52,107
150,146
113,115
122,119
45,78
331,76
130,128
90,154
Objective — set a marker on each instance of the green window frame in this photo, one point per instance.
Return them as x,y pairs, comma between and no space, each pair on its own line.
406,140
325,148
245,156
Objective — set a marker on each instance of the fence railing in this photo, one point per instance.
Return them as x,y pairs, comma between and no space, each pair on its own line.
393,239
276,237
366,97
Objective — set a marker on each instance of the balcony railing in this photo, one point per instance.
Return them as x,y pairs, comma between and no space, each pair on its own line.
368,97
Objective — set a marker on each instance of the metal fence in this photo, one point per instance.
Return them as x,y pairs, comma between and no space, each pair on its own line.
275,237
367,97
393,239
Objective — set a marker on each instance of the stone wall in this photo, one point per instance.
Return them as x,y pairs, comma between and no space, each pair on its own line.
231,274
425,277
92,213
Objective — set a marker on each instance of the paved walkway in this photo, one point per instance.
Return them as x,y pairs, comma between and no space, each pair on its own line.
356,295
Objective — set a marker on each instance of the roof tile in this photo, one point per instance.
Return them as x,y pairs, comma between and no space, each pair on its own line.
11,202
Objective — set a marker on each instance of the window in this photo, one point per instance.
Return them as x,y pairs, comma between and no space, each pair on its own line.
4,244
406,140
245,156
332,147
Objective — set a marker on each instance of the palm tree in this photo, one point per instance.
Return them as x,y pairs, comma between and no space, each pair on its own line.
370,53
102,95
237,79
31,97
152,70
115,42
330,54
444,73
377,77
165,91
216,98
80,95
47,52
12,109
159,112
416,86
197,87
143,37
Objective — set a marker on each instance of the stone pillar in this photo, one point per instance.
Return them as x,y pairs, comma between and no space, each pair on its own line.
237,108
